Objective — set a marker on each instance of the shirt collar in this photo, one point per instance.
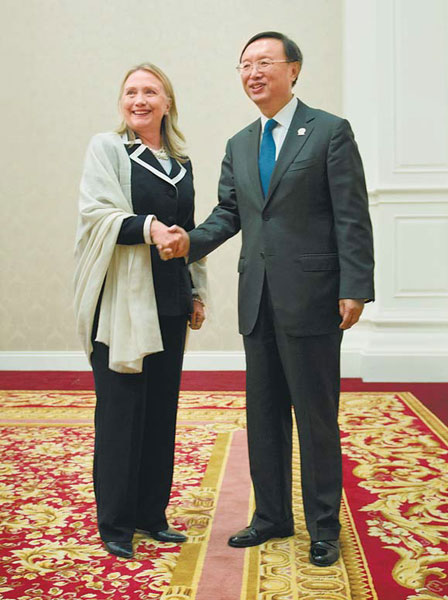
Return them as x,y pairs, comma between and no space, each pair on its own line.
284,115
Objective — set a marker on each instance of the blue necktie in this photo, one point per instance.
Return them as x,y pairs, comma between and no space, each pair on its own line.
266,160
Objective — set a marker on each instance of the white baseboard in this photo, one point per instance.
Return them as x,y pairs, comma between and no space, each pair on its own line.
215,361
369,366
43,361
77,361
405,367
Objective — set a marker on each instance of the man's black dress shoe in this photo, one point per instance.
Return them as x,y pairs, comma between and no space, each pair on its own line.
168,535
324,553
123,549
251,537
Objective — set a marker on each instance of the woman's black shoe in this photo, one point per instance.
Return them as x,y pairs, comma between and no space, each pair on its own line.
123,549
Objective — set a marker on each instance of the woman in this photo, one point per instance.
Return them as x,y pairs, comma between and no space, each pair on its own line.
132,308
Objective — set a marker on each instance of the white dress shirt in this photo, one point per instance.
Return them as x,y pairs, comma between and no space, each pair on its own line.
283,118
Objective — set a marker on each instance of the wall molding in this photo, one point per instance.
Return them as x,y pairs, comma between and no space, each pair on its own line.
408,196
410,189
77,361
398,364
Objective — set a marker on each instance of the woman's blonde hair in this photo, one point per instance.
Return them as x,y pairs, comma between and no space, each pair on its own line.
172,138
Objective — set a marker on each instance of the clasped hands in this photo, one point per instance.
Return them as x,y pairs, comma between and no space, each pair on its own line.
171,242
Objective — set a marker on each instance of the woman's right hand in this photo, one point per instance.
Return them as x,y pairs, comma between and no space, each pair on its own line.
171,242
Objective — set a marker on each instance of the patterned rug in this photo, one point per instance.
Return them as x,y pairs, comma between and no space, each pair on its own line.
394,513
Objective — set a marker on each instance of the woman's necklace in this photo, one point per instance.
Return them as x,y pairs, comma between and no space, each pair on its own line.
160,154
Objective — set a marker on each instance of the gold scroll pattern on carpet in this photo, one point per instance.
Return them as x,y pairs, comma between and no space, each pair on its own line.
286,573
50,398
396,460
408,475
282,571
50,544
280,568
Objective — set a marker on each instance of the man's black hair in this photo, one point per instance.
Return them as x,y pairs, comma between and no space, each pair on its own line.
292,51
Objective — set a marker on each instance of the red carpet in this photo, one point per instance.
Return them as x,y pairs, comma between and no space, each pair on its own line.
394,510
433,395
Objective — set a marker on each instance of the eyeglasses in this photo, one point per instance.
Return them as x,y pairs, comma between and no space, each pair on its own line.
260,65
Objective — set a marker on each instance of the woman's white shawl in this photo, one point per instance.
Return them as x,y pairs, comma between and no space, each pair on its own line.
128,321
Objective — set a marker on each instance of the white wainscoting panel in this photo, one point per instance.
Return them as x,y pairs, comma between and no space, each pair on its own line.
396,96
421,254
420,63
412,88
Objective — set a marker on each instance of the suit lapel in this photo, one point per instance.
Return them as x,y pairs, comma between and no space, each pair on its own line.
146,159
292,145
251,158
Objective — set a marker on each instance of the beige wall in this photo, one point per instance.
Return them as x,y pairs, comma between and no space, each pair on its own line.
62,61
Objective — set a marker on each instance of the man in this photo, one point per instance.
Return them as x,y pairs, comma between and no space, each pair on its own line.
293,182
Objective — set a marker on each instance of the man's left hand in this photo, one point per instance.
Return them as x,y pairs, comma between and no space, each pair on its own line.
350,310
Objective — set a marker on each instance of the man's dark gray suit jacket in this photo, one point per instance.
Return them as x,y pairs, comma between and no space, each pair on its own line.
311,237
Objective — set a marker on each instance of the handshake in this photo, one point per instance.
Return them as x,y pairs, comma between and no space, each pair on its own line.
171,242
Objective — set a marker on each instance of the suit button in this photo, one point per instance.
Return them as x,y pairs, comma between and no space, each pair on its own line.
266,217
171,193
262,254
170,220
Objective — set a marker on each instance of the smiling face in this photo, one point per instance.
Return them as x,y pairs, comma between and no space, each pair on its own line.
270,89
144,103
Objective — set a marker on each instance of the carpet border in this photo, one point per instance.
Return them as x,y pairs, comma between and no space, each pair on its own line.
426,415
213,477
349,557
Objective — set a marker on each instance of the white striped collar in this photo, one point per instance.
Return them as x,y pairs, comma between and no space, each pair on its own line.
135,156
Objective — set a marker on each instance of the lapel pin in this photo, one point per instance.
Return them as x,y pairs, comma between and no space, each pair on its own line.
301,131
